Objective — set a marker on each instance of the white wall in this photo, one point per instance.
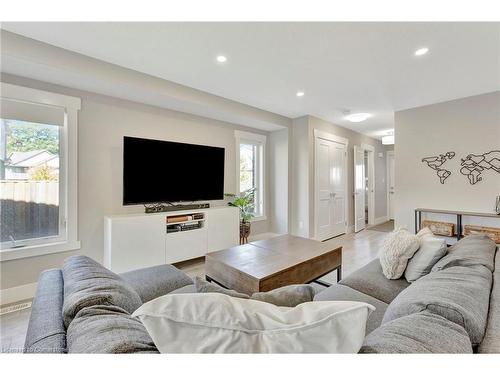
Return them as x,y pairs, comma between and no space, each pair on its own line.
464,126
278,177
102,123
303,172
300,177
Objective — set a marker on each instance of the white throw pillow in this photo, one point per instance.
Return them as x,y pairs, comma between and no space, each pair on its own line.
398,247
217,323
431,250
424,232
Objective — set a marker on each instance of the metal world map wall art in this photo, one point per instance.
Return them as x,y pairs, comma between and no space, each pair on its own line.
435,162
473,166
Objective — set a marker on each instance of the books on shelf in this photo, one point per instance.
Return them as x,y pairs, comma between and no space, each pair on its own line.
177,219
184,218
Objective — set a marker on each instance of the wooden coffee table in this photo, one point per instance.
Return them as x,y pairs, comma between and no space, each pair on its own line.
264,265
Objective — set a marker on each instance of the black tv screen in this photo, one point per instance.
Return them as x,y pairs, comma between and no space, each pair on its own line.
160,171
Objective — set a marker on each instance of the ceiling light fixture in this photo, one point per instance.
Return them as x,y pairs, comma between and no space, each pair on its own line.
300,93
421,51
221,58
357,117
388,139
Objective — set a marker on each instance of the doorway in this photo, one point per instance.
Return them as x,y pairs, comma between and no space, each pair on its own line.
391,185
364,186
330,202
367,190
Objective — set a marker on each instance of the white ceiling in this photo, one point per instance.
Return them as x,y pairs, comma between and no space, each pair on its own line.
363,67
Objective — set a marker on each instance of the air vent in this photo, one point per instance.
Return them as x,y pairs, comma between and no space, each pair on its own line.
16,307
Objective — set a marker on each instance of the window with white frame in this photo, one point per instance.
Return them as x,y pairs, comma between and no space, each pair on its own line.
38,176
250,151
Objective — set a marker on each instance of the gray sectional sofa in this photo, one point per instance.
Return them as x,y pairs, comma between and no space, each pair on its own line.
101,297
84,307
453,309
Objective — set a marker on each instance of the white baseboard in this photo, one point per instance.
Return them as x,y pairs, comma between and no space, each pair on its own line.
350,229
380,220
18,293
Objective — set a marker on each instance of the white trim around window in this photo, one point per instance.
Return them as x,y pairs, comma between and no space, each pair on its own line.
258,140
68,172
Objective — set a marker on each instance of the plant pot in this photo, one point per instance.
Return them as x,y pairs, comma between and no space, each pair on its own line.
244,232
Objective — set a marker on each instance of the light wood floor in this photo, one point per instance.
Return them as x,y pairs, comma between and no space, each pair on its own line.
358,250
388,226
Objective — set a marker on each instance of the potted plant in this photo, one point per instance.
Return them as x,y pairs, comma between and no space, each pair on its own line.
245,201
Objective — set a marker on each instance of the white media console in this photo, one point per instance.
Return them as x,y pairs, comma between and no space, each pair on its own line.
141,240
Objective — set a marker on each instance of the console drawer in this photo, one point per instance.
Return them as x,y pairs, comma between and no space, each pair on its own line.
180,246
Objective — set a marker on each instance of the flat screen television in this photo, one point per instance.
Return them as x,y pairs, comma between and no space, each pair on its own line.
159,171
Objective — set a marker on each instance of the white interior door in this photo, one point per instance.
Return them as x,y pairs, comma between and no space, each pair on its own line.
371,187
390,184
330,194
359,189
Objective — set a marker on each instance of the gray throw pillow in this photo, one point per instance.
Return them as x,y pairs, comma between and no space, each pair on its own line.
290,295
459,294
202,286
87,283
473,250
422,332
108,329
430,251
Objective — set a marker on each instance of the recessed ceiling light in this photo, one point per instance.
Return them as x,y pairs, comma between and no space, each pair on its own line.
300,93
357,117
221,58
421,51
388,139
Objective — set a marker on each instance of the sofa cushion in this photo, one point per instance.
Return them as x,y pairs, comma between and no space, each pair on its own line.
87,283
156,281
46,331
107,329
218,323
398,247
491,341
431,250
344,293
473,250
202,286
422,332
370,280
288,296
49,344
459,294
184,290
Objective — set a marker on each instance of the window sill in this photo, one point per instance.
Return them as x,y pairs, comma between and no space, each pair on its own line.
258,218
36,250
